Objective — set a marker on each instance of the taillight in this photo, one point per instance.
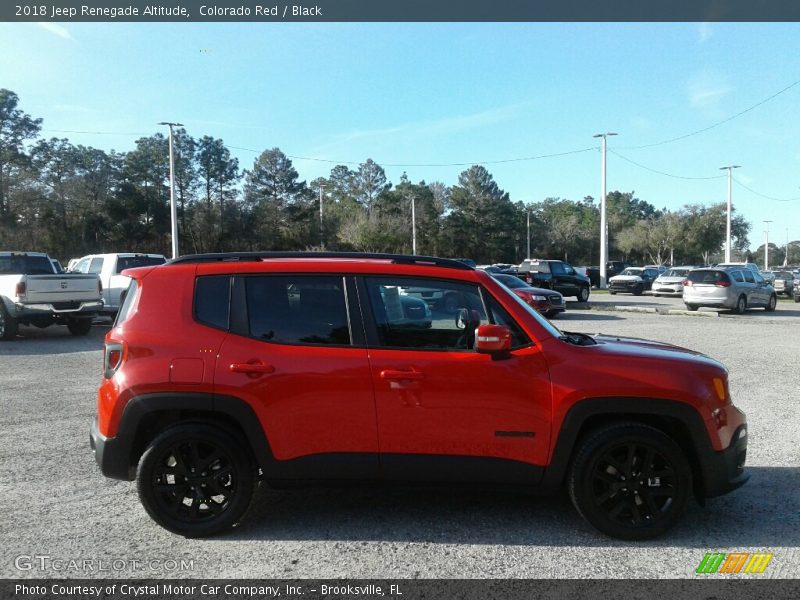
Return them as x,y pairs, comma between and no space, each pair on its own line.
21,288
112,359
687,282
723,284
99,286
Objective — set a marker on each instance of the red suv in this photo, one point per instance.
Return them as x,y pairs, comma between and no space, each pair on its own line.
226,370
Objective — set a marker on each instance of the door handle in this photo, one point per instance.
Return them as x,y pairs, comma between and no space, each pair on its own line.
252,368
400,375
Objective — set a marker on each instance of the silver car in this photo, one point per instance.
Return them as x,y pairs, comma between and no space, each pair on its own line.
671,282
784,282
736,289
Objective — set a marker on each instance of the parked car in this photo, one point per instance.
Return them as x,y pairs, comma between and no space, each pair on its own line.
783,282
286,371
33,293
109,268
548,302
633,280
556,275
751,266
671,282
796,288
736,289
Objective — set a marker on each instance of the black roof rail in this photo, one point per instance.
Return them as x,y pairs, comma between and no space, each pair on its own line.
404,259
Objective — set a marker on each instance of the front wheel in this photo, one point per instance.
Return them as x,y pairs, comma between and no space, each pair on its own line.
79,326
772,304
8,324
195,480
691,307
630,481
583,294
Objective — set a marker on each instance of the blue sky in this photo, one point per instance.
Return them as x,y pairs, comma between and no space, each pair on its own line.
436,94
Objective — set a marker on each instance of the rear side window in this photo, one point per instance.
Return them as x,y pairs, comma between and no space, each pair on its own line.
212,301
130,262
749,277
127,303
737,276
298,309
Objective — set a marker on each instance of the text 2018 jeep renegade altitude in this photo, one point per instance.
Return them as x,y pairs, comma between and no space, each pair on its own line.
225,370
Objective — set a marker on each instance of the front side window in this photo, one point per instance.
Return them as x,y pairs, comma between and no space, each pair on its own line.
96,265
425,314
297,309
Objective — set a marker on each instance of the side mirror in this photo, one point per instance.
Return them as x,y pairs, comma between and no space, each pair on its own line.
492,339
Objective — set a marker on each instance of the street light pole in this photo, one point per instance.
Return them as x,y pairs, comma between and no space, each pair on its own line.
321,230
766,246
529,233
173,208
730,169
413,227
603,224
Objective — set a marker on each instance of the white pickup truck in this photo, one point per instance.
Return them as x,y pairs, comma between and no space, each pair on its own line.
32,293
108,267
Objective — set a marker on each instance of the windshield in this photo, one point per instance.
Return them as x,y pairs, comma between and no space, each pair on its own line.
551,329
676,273
511,281
130,262
632,272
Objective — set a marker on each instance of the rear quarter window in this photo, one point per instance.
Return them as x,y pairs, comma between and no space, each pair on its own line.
127,303
212,301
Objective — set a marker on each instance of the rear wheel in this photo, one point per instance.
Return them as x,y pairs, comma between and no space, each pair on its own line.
8,324
583,294
772,304
630,481
612,293
741,305
79,326
195,480
691,307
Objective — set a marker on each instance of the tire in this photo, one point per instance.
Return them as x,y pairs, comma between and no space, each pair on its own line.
638,291
692,307
741,305
608,487
164,484
772,304
583,294
8,324
797,298
612,293
656,295
79,326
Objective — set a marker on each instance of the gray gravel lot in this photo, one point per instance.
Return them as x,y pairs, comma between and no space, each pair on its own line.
59,505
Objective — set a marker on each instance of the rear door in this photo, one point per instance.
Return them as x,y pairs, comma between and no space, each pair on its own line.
443,410
296,354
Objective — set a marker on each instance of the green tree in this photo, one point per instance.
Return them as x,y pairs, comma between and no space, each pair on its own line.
16,128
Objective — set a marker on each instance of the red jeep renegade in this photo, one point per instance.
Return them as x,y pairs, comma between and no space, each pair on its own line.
226,369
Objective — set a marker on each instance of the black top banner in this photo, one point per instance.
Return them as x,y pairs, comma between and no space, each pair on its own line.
402,10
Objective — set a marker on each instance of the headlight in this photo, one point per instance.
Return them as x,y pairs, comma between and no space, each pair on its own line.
538,298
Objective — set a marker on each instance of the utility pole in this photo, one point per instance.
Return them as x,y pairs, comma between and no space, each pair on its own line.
786,254
730,169
603,223
766,246
173,208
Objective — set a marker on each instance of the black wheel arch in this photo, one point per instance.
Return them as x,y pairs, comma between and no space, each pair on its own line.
678,420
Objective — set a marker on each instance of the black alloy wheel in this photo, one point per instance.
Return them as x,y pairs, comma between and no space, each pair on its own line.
195,480
630,481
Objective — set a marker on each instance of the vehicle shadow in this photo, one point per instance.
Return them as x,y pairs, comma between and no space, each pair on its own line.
56,339
764,513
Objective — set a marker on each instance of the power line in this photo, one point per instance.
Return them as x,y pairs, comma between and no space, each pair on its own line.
717,124
749,189
95,132
641,166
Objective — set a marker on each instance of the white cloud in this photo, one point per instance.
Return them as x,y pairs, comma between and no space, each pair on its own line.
706,89
58,30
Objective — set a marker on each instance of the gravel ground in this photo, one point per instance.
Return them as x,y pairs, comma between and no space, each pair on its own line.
59,505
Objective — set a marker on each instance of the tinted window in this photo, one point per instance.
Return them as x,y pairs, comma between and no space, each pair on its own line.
96,266
131,262
212,301
748,276
511,281
708,277
26,265
298,309
737,276
556,268
455,311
